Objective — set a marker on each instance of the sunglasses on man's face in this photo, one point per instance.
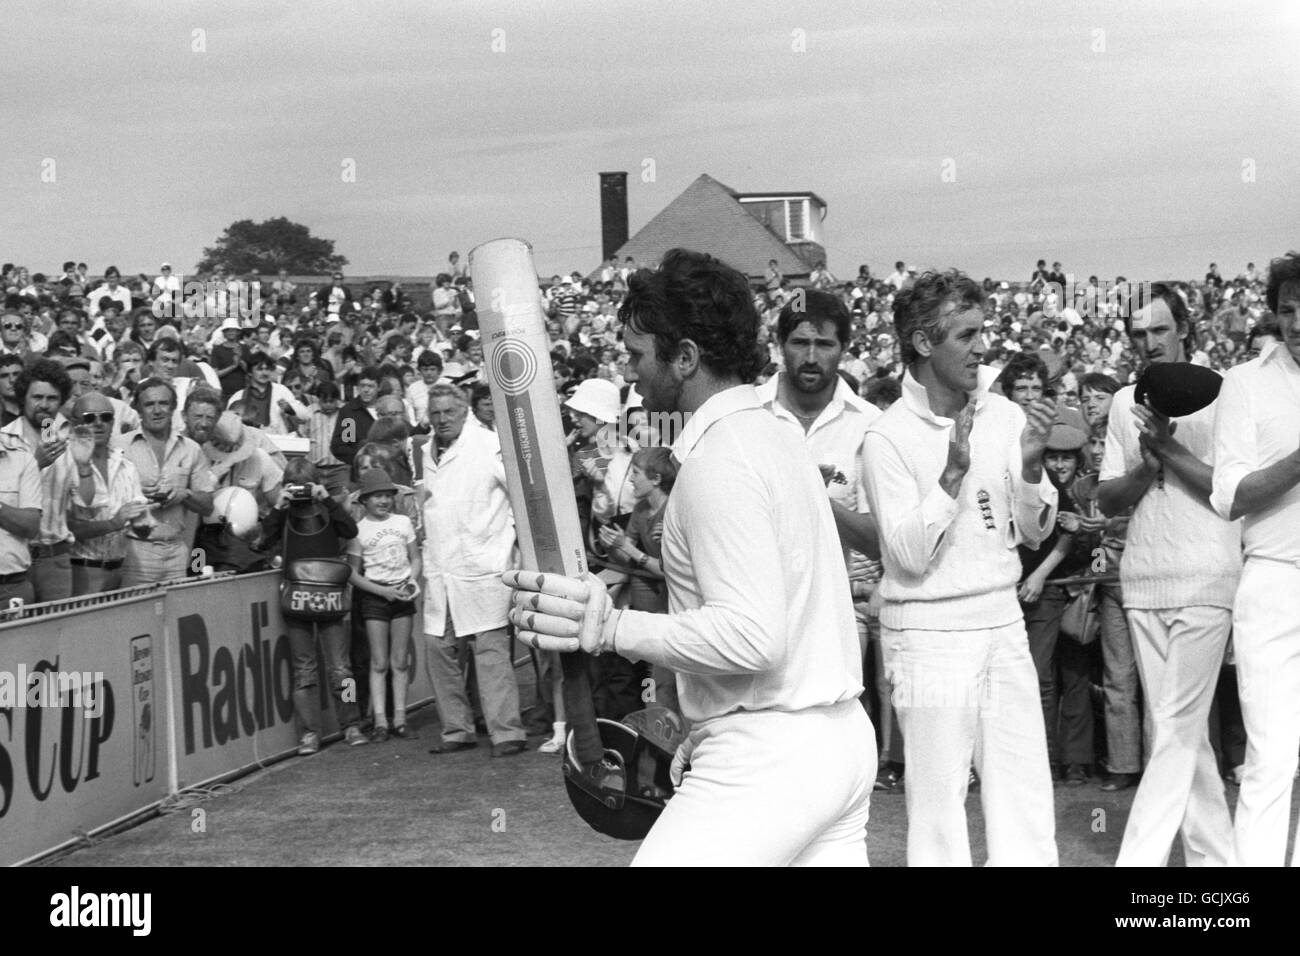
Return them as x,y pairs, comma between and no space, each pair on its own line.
103,418
13,326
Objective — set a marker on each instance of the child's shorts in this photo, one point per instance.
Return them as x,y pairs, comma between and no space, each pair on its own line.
375,608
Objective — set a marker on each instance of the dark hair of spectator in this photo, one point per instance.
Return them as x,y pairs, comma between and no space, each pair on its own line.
694,296
165,344
1099,382
583,367
43,370
657,463
153,382
1021,365
916,309
371,373
204,395
300,471
389,430
60,340
429,357
880,390
816,307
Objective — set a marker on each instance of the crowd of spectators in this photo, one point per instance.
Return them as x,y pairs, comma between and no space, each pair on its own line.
127,405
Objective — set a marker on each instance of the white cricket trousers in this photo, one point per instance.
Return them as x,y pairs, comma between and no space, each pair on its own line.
769,788
1179,654
1266,636
963,698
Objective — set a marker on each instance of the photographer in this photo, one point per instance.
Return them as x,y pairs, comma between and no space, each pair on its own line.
312,526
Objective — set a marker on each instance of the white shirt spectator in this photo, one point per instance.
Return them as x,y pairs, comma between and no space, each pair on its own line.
167,284
381,545
56,478
121,485
120,295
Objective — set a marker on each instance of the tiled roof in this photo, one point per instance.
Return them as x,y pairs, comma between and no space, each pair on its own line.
707,218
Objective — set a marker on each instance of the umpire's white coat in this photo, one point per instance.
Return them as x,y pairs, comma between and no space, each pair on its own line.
469,534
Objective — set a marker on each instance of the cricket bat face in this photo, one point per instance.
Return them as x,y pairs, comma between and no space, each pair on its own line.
517,361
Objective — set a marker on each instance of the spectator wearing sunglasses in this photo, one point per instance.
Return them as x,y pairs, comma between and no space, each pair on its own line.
101,508
13,335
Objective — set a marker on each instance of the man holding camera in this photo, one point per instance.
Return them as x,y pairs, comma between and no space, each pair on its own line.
312,526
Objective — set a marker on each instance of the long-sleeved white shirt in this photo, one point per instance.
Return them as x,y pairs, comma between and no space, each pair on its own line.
951,563
759,611
1258,424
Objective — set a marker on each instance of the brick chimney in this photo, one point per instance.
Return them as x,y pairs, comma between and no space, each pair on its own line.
613,213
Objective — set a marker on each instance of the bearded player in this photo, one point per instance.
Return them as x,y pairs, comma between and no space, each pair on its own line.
779,764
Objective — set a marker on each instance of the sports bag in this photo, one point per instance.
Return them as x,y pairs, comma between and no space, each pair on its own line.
316,589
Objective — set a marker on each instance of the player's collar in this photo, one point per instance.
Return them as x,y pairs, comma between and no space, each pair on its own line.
717,407
917,398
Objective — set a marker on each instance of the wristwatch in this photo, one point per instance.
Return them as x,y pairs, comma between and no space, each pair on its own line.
642,561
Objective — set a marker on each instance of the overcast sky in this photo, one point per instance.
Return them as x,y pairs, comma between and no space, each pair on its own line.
1124,150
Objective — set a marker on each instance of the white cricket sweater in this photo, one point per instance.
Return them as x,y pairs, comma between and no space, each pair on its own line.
1179,553
951,564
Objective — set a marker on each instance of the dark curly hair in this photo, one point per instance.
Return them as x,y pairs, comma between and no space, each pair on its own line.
695,296
1022,365
1282,269
815,307
43,370
916,309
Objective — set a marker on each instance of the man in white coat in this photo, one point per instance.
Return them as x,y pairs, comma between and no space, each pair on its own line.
471,541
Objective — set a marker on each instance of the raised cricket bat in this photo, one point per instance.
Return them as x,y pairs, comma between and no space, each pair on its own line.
517,359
